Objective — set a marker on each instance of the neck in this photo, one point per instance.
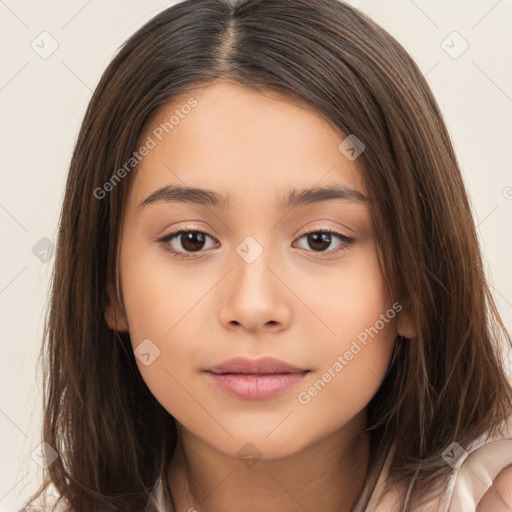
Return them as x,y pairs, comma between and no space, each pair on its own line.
327,475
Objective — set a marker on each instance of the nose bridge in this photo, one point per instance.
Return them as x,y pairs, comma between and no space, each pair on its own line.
256,296
251,267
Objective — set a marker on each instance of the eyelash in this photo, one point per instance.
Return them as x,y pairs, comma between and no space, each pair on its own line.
346,242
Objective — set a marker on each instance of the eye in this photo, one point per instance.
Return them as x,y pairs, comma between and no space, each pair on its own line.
320,240
191,241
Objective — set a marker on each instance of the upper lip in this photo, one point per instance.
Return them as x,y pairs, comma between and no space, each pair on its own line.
263,365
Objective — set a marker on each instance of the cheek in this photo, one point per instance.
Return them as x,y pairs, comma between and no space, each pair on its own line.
345,303
165,304
353,363
353,370
355,348
158,293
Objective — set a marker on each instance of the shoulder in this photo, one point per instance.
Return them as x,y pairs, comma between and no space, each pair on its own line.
498,498
483,482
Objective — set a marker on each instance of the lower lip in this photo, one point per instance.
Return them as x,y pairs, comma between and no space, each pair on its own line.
255,387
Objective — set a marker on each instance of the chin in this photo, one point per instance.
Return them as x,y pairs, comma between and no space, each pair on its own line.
251,445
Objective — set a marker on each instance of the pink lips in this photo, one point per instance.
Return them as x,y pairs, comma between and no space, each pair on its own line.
255,379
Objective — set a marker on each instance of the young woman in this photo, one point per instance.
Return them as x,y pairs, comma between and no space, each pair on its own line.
268,290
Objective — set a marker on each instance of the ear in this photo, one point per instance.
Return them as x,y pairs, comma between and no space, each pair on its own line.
405,324
115,315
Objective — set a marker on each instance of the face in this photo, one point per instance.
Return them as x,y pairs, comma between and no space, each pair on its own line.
252,276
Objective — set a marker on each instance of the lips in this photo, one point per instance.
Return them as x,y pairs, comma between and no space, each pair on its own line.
257,379
264,365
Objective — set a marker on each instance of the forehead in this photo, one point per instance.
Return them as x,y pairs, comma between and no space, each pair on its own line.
243,143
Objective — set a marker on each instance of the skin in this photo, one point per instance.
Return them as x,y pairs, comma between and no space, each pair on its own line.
293,302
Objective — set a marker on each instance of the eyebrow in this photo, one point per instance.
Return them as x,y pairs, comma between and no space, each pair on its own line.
295,197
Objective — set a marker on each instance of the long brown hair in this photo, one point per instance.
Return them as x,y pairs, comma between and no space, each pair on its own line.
446,384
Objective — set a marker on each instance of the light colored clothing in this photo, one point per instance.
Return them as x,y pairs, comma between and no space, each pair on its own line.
473,474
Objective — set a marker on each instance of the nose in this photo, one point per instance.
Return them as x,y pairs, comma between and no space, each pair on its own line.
254,296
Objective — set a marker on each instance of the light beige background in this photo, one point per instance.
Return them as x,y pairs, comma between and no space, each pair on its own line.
42,103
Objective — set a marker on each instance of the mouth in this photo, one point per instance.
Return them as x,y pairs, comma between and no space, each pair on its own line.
258,379
263,365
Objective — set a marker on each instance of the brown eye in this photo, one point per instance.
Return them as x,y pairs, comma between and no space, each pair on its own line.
192,240
320,241
185,243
